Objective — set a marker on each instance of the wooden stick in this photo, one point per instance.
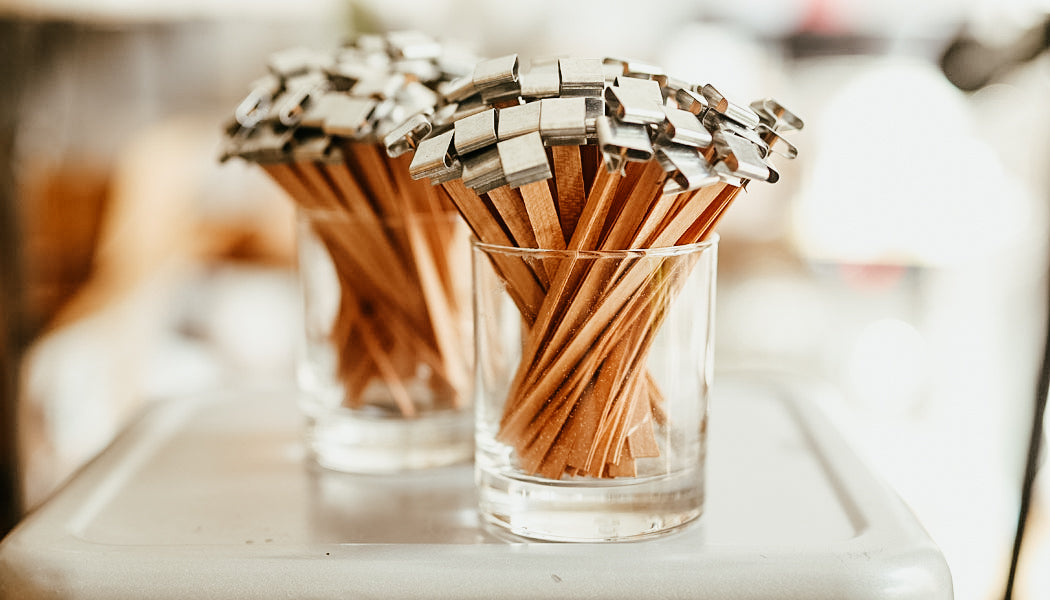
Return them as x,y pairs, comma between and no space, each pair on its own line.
442,316
522,284
402,270
628,283
568,177
510,207
543,218
578,307
288,179
584,236
543,215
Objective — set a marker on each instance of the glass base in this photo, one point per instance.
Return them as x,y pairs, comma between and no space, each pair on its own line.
589,510
348,442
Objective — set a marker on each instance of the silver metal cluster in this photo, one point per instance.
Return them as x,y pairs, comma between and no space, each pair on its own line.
494,124
361,91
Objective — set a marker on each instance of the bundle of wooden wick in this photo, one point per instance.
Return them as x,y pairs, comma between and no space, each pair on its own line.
582,155
314,124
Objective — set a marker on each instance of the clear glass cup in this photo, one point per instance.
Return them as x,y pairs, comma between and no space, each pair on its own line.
591,388
386,359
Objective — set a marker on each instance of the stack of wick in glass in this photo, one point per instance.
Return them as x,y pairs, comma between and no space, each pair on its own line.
314,124
589,155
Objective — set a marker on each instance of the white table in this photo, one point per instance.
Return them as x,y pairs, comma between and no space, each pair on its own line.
210,497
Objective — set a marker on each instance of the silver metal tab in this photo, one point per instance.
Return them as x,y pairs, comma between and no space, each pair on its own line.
595,108
319,106
412,45
417,69
775,116
637,102
265,143
348,116
296,61
541,81
718,122
613,67
453,171
415,97
674,84
458,89
682,127
466,109
444,116
776,142
742,157
378,85
433,155
292,104
691,100
371,43
518,120
524,159
641,70
563,121
342,76
581,77
731,110
483,171
647,86
310,147
476,131
407,135
687,169
726,176
386,110
497,78
621,142
256,105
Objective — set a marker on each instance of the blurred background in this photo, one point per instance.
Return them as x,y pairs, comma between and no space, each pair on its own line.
900,264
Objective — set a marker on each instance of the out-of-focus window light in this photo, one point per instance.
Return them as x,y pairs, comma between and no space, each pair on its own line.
898,175
926,231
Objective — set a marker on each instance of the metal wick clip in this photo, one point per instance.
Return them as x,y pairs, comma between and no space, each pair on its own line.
775,118
523,159
497,79
542,80
687,169
257,104
407,136
743,158
563,121
518,120
475,132
730,110
581,77
637,101
299,92
434,159
622,142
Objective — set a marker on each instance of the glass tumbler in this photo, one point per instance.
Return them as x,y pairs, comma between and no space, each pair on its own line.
591,387
385,360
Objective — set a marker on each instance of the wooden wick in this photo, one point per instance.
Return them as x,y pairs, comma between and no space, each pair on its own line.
389,239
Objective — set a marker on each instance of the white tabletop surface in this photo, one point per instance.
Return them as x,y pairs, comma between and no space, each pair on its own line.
210,497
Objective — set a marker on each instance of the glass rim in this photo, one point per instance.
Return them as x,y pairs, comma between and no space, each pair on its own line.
662,251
